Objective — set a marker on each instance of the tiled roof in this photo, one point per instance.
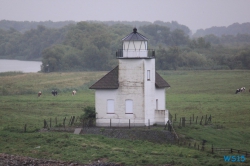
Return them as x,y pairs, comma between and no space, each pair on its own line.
110,81
160,82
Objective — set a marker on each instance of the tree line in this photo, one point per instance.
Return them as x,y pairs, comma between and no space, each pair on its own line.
233,29
92,45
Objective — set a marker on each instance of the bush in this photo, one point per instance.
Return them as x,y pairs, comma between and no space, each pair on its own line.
89,113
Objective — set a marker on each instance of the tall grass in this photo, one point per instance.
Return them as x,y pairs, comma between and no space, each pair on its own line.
212,93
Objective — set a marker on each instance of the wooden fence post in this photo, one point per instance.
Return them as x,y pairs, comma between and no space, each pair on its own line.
183,121
168,125
201,120
148,123
129,123
196,119
25,128
72,121
64,122
44,124
210,118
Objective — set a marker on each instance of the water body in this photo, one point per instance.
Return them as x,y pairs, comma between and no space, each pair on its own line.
22,66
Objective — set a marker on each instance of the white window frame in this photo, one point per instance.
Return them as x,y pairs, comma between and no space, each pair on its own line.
129,106
110,106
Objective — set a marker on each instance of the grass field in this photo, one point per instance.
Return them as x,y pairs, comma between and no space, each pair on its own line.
192,92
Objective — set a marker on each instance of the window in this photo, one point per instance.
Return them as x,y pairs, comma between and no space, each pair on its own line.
110,106
129,106
148,75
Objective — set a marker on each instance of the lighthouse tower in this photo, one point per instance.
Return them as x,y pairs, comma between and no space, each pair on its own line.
132,92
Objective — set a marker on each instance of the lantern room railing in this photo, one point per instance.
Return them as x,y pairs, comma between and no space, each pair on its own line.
135,53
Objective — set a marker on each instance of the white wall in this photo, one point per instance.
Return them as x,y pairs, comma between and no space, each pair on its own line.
160,95
161,115
135,49
149,88
135,45
133,85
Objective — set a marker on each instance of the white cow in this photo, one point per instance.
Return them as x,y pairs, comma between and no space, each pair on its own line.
39,94
73,92
242,89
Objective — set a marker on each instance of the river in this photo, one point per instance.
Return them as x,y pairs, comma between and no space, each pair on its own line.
22,66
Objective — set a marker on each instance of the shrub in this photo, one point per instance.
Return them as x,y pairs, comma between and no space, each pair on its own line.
89,113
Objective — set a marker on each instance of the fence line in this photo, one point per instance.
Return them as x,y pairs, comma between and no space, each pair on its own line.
231,150
191,120
171,129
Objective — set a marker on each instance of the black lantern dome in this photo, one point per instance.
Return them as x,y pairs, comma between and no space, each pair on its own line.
135,36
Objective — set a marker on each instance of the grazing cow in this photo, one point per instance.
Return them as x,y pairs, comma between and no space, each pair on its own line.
237,91
73,92
242,89
54,92
39,94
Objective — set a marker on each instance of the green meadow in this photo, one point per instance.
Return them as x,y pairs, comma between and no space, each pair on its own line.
197,93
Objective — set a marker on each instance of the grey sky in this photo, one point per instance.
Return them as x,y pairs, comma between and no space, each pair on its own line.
195,14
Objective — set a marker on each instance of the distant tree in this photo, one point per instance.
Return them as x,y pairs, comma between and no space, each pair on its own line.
168,59
199,43
212,39
178,38
52,59
244,58
192,59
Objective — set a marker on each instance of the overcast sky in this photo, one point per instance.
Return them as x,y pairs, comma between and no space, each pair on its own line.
195,14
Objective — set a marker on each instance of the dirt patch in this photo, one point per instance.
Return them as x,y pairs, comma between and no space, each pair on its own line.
13,160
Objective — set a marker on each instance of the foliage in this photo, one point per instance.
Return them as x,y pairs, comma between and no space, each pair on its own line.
23,26
91,45
231,30
89,113
175,58
244,58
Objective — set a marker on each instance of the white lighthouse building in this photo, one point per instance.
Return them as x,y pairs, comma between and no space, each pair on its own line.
133,92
